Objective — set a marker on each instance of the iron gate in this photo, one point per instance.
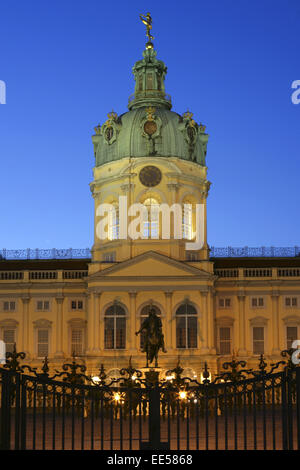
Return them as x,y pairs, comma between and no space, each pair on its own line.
239,409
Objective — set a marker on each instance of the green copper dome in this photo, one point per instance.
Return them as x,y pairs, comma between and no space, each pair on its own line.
150,128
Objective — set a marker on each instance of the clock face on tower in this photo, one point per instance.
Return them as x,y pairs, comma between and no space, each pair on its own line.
150,176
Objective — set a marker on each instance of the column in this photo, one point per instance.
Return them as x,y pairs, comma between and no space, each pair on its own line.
96,309
59,327
132,323
242,326
168,323
25,345
210,323
275,317
204,324
90,324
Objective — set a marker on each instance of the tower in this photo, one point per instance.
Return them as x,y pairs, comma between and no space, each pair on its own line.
149,155
150,189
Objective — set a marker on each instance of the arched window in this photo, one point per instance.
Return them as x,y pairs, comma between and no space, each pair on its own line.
115,327
113,222
186,326
144,314
151,226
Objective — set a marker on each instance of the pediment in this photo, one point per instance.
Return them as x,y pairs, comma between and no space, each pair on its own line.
152,264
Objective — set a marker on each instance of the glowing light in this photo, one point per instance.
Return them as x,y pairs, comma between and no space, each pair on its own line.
117,397
133,377
182,395
96,379
170,377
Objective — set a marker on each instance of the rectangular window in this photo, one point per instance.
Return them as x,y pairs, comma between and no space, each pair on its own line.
258,340
9,338
109,333
291,335
77,341
76,304
224,303
186,332
9,306
42,342
225,340
43,305
291,301
257,302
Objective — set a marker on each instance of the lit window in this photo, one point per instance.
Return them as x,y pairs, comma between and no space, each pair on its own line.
291,335
115,327
258,339
77,341
42,342
186,326
151,225
9,338
225,340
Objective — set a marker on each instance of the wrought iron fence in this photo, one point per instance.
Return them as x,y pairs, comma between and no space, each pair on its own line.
239,408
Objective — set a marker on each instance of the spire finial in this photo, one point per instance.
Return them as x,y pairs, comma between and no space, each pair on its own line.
147,20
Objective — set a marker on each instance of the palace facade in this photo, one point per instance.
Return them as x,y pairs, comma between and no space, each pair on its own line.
210,306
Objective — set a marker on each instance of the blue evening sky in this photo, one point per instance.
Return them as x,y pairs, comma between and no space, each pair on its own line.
67,63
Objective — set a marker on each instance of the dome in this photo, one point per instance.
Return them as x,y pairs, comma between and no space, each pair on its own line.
150,128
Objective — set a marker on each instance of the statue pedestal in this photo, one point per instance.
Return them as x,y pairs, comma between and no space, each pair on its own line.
153,391
151,374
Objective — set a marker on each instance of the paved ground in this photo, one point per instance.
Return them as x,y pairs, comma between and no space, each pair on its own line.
181,434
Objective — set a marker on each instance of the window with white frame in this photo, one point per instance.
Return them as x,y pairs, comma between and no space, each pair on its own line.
42,342
291,301
151,224
257,302
115,327
224,302
77,341
43,305
186,326
258,339
76,304
291,335
9,305
9,338
225,340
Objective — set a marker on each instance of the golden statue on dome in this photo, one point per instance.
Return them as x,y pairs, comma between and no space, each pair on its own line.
147,20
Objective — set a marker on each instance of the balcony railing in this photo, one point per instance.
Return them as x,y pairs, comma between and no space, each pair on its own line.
215,252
